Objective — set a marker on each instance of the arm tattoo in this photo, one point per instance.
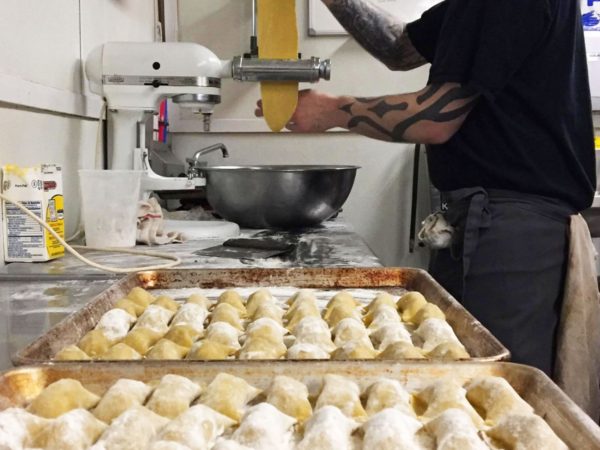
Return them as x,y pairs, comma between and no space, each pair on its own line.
378,32
441,110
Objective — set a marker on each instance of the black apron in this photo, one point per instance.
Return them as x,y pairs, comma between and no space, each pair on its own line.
506,265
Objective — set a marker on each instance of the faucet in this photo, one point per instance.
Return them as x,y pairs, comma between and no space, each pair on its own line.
195,165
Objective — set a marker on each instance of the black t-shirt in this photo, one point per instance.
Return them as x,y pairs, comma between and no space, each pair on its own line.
531,130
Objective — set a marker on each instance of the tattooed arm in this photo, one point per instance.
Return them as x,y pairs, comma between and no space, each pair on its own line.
381,34
430,116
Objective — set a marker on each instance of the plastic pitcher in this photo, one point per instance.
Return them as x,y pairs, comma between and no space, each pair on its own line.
110,204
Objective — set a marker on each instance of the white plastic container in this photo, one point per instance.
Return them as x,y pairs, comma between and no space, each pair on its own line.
110,204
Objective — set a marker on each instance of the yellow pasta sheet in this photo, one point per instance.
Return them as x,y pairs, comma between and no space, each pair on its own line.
278,39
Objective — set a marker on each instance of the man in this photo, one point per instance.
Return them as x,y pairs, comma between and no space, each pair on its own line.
507,116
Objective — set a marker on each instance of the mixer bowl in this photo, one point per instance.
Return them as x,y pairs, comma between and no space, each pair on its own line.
279,196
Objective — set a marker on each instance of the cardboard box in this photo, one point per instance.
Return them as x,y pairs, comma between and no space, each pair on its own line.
40,190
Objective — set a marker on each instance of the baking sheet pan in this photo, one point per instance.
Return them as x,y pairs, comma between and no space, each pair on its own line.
479,342
19,386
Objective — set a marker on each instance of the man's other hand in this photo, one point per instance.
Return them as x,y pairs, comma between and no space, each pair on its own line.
316,112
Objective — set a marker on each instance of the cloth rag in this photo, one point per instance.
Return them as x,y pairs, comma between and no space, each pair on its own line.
577,366
150,225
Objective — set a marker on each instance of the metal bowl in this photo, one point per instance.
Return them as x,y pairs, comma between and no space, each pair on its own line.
280,196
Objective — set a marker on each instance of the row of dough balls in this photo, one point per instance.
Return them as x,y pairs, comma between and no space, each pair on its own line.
162,329
229,413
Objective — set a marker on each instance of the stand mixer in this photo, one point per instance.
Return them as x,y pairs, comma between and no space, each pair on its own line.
135,77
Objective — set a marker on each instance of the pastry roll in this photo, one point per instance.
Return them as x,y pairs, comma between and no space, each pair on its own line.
257,298
304,310
76,430
155,318
262,348
525,432
115,324
442,395
494,397
134,429
183,334
18,428
168,445
173,396
140,296
269,311
141,339
434,332
302,298
120,351
166,302
234,299
224,312
382,298
166,349
454,430
228,444
290,396
342,393
383,315
301,350
121,396
449,351
223,333
391,429
94,343
197,428
428,311
130,306
192,315
60,397
349,330
389,334
265,427
267,328
386,393
410,303
328,429
401,350
314,330
344,299
208,350
199,299
72,353
301,295
355,350
228,395
341,312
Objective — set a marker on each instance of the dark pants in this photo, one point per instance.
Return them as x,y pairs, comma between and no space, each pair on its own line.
508,268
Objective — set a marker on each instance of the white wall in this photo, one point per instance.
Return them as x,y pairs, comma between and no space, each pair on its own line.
379,205
46,112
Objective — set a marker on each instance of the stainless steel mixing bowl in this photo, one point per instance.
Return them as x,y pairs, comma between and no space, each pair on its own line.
280,196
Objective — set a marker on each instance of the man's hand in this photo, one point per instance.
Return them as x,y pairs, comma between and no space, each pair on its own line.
316,112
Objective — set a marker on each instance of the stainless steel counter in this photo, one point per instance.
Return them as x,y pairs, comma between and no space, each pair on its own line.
34,297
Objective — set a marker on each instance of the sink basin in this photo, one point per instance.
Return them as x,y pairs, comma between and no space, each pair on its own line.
278,196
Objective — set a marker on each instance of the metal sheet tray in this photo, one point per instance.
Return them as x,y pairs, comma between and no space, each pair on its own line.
478,341
19,386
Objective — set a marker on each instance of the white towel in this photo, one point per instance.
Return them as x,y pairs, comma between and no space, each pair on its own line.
150,225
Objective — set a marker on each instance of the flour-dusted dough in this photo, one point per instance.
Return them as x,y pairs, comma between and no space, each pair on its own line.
290,396
60,397
197,428
76,430
115,324
166,349
454,430
120,351
141,339
265,427
391,429
173,396
525,432
121,396
228,395
494,397
387,393
342,393
328,429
